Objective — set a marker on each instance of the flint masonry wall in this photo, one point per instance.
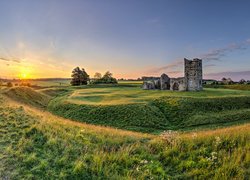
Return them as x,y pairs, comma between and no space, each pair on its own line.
193,74
178,84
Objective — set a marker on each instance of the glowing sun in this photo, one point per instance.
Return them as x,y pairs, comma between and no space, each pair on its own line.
24,73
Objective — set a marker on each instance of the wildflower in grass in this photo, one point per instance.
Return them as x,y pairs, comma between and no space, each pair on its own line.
171,137
214,158
138,168
144,161
217,140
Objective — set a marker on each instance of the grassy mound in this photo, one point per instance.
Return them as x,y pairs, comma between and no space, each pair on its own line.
117,94
191,112
54,91
45,147
27,95
160,114
138,117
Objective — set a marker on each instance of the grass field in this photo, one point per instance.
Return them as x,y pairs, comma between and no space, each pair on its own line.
38,144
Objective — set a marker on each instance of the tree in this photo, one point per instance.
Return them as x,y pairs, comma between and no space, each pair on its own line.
98,75
105,79
223,79
229,81
79,77
107,75
242,81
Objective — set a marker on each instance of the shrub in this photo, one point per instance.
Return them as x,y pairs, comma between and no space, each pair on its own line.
9,84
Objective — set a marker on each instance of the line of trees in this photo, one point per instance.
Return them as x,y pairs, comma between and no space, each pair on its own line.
229,81
81,77
107,78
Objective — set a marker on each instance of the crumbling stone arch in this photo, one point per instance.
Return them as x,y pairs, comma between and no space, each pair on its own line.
176,86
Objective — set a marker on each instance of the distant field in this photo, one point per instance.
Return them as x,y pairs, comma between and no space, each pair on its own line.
41,83
63,82
50,83
233,86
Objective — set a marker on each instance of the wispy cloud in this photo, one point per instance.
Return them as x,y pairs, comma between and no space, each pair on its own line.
10,60
217,54
168,67
154,20
209,65
213,55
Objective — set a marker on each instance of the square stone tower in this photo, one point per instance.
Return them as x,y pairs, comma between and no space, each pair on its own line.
193,74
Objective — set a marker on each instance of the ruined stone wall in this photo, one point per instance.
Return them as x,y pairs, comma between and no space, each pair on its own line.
178,84
191,82
193,74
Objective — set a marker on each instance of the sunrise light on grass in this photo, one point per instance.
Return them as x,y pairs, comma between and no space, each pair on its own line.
125,89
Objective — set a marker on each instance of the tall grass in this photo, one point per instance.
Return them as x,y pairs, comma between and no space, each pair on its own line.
38,145
27,95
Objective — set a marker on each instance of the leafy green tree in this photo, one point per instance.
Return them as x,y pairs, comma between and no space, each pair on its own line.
98,75
242,81
107,78
223,79
107,75
79,77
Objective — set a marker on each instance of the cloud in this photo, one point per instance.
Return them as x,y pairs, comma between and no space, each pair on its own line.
213,55
155,20
10,60
217,54
209,65
235,75
165,68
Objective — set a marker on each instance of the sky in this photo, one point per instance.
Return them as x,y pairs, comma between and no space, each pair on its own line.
130,38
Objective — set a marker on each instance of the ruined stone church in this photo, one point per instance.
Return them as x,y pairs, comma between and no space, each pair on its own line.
192,80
